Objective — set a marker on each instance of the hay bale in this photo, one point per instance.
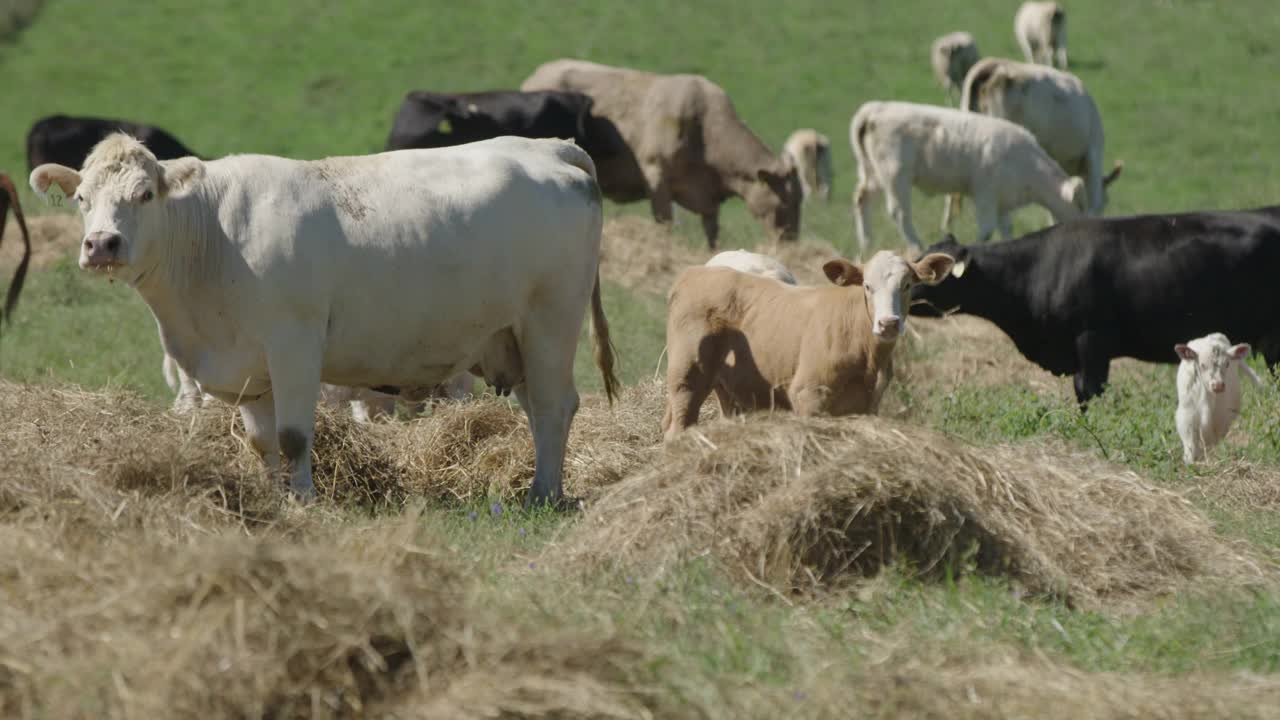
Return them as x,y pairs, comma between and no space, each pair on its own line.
797,504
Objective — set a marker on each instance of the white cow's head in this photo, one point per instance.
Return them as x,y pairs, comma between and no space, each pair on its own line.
121,192
886,282
1212,356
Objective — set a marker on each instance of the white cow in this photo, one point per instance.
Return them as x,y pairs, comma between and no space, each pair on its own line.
1041,30
951,56
753,263
1208,391
1055,107
899,145
269,276
810,152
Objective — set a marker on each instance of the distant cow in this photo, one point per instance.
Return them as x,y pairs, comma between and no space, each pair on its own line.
9,201
67,140
810,152
1075,295
760,344
1041,31
268,276
1208,391
430,120
999,164
687,144
1055,107
951,56
753,263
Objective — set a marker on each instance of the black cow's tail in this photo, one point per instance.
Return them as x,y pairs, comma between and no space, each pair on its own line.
10,200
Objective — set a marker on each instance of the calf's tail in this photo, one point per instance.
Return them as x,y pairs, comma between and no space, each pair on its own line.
1249,373
10,200
605,353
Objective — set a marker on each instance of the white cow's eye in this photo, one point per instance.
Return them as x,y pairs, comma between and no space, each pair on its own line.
145,197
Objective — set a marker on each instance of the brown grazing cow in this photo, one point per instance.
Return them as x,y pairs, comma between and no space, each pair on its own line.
760,344
9,199
687,145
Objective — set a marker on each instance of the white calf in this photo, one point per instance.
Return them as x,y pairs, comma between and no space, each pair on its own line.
951,57
940,150
810,152
754,264
1208,392
1041,30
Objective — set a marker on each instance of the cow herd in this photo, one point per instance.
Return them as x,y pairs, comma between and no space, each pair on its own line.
471,247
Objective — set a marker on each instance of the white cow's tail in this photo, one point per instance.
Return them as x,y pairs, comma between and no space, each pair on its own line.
577,157
605,353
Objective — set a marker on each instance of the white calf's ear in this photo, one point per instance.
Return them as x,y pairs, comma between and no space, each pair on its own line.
933,268
1239,352
842,272
179,177
957,269
50,174
1184,351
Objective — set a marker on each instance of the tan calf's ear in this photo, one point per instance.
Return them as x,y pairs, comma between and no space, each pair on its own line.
933,268
842,272
48,174
179,177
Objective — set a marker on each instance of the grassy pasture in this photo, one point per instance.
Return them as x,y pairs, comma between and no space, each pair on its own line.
143,559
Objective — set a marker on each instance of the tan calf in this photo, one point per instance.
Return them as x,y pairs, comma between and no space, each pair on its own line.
760,344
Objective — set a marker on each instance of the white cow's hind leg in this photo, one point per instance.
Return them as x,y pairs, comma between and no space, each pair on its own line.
294,366
549,397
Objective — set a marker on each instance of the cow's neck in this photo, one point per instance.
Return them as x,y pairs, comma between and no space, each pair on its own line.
185,274
746,159
999,292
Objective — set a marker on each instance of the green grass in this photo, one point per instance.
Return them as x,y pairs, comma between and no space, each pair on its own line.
1185,91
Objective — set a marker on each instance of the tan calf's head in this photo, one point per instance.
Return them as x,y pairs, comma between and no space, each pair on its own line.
774,199
886,281
120,192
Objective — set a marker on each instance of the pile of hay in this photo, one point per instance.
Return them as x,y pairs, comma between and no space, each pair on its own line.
469,450
796,504
53,237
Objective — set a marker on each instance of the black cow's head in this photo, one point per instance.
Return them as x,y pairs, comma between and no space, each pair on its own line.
441,121
938,299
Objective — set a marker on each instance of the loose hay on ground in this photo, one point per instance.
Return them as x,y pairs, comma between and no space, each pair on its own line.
798,504
53,237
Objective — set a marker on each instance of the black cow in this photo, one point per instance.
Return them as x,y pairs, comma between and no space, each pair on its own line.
68,140
428,120
1075,295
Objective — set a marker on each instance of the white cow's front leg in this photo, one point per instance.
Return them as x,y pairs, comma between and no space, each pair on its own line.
260,429
294,366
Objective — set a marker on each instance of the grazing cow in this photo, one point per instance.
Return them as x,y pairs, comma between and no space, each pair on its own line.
951,56
67,140
269,276
687,145
430,120
810,152
1208,391
940,150
1041,30
761,344
8,201
1075,295
753,263
1055,107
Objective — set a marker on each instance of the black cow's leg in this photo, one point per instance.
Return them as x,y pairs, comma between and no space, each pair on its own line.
1094,362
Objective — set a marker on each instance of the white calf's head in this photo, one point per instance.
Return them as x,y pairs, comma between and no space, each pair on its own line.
120,193
1212,356
886,281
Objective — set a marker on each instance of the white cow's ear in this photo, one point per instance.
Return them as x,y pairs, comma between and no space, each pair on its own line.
179,177
1184,351
1239,352
66,179
957,269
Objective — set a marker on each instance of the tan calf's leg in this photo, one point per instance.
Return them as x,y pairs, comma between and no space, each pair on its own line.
690,377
